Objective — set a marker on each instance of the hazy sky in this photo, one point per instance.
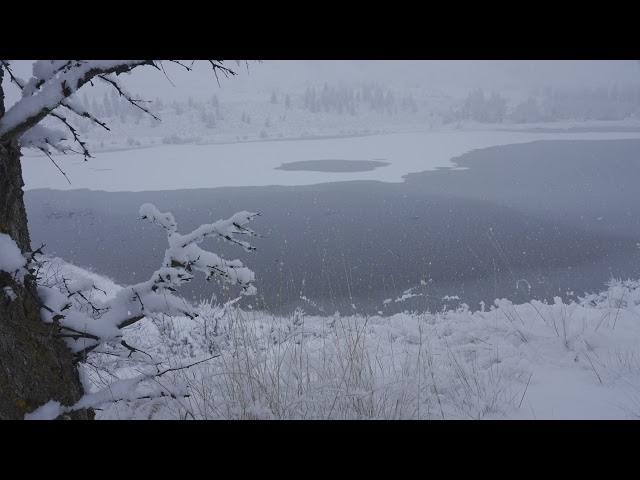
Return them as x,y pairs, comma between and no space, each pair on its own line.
444,75
437,74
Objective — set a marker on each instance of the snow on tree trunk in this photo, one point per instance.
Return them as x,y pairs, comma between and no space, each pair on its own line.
35,367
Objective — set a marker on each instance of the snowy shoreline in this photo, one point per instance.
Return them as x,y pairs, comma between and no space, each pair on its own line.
559,360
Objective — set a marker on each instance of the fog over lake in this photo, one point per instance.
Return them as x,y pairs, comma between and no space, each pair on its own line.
533,220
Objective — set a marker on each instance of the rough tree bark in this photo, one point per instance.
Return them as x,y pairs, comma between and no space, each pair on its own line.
35,366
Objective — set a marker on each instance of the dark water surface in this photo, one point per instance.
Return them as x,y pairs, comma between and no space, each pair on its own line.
524,221
333,165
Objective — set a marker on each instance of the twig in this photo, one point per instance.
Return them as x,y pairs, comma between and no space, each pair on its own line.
175,369
594,368
525,390
132,101
217,66
132,350
54,162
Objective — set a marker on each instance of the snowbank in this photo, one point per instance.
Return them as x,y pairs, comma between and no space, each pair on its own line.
532,361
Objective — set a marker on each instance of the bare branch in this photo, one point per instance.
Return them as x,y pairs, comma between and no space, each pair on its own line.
217,65
132,101
54,162
84,114
96,310
77,334
133,350
76,138
12,77
175,369
165,74
181,64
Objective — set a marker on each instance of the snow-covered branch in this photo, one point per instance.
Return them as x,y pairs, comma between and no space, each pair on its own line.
50,86
39,136
184,253
120,390
86,323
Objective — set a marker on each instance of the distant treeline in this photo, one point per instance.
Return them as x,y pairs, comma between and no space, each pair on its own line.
541,105
353,100
347,100
552,104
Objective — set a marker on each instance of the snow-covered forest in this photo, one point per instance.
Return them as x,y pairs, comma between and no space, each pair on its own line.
144,349
340,109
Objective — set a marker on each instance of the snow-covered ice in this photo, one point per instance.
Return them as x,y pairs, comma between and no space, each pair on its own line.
175,167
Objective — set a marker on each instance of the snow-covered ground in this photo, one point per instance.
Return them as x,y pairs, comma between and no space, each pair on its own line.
531,361
173,167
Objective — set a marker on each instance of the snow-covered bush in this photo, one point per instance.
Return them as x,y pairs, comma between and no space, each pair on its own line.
92,322
453,364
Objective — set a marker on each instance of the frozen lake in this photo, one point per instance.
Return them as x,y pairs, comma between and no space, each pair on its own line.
529,220
180,167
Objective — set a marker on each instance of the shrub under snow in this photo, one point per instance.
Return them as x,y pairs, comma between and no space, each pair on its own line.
228,363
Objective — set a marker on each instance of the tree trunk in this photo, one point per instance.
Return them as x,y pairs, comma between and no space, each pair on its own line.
35,367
